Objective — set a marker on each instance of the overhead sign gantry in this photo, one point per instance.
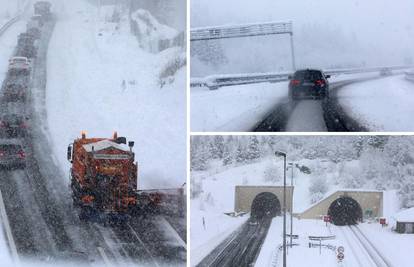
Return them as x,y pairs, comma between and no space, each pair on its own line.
244,30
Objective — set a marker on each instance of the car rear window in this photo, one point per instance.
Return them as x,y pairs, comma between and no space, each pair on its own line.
10,148
308,75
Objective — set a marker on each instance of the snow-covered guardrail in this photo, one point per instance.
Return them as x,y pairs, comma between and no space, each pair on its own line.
364,70
409,75
8,24
214,82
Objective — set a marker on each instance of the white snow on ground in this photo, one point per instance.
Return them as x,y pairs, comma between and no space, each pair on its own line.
269,252
298,256
241,107
381,105
151,31
218,226
5,257
406,215
88,60
8,9
395,247
234,108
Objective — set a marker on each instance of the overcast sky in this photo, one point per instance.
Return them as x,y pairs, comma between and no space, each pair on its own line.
384,28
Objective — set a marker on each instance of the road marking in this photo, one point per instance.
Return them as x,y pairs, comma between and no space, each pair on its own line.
9,234
104,257
142,243
173,232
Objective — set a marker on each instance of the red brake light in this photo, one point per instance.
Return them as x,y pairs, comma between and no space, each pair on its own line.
21,153
320,82
295,82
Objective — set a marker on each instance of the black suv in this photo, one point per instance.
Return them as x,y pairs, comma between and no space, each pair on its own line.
309,83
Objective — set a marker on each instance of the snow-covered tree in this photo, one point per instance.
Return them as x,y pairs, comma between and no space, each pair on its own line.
272,173
240,154
253,150
318,188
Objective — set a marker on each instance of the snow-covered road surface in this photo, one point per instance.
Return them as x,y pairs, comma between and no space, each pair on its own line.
254,106
307,117
385,104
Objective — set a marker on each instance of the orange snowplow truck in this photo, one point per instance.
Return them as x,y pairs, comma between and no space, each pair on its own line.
103,177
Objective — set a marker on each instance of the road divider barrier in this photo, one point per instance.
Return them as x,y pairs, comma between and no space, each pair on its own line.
409,75
214,82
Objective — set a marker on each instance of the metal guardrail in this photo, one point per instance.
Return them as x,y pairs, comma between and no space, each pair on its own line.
245,30
14,19
214,82
9,23
409,75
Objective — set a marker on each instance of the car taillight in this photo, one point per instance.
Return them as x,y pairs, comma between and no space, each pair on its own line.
23,125
2,124
295,82
320,82
21,154
1,153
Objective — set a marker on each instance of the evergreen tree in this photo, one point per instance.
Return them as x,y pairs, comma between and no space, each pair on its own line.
218,143
253,151
240,154
227,156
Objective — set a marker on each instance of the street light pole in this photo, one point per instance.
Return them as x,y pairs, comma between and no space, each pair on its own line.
291,203
282,154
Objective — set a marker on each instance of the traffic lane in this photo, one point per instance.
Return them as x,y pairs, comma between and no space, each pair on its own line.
278,119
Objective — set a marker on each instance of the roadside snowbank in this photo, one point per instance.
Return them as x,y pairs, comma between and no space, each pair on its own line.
234,108
381,105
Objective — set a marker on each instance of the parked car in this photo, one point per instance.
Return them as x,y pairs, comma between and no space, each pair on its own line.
13,125
309,83
12,154
19,64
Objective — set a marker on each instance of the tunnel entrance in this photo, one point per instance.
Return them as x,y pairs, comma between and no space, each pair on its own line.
345,211
265,204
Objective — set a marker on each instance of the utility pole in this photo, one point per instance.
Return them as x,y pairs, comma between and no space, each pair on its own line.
292,48
282,154
291,203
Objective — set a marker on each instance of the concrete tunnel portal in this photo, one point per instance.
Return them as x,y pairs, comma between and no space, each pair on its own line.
345,211
265,204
